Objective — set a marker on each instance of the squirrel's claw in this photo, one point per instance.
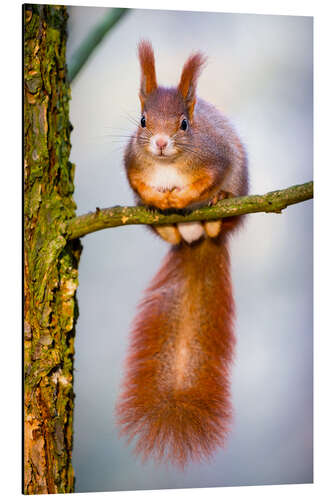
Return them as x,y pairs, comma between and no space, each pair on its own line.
222,195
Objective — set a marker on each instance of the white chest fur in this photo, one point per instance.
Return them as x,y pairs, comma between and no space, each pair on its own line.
166,177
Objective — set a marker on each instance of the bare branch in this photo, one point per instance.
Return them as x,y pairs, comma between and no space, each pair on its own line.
274,201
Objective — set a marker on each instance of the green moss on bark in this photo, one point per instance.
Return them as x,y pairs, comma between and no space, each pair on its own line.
50,263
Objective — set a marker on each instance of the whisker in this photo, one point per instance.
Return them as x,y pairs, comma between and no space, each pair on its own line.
136,122
119,136
150,132
114,131
123,140
188,149
116,150
132,119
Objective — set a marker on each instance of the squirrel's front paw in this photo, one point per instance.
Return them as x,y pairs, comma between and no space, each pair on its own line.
180,198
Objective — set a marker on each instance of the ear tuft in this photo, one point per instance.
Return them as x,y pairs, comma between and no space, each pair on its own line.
147,63
189,77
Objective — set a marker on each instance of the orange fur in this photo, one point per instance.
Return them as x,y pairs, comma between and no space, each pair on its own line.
176,392
148,75
188,80
175,402
201,185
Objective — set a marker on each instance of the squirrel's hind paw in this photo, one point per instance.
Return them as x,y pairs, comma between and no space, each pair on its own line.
191,231
213,228
169,233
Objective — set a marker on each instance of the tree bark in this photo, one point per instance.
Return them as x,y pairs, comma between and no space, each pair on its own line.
50,262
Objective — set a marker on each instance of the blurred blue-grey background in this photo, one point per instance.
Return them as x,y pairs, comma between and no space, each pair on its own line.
260,74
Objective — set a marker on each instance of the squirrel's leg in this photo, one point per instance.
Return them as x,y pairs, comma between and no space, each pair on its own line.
192,231
213,227
169,233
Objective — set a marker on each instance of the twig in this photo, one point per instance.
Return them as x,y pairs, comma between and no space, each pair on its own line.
93,38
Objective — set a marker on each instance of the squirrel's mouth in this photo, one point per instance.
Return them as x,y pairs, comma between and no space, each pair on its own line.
161,146
164,154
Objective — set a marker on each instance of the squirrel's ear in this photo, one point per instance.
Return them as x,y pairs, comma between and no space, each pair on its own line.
188,80
148,76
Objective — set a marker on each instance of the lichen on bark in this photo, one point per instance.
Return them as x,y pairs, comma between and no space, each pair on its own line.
50,262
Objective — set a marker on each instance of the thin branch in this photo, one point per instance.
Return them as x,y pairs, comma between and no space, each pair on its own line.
274,201
94,38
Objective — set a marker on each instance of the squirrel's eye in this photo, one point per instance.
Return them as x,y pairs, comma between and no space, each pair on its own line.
183,124
143,121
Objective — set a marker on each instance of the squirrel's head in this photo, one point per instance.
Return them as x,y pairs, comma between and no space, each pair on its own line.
167,113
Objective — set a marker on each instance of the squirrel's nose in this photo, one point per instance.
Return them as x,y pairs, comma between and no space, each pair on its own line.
161,143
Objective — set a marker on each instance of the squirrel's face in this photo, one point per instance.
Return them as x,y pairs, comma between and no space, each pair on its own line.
164,129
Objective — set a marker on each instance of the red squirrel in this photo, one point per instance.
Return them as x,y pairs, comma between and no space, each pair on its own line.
176,394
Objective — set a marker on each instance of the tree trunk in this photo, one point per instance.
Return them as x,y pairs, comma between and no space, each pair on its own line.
50,262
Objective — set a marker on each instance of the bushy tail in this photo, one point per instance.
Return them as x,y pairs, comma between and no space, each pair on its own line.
175,401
